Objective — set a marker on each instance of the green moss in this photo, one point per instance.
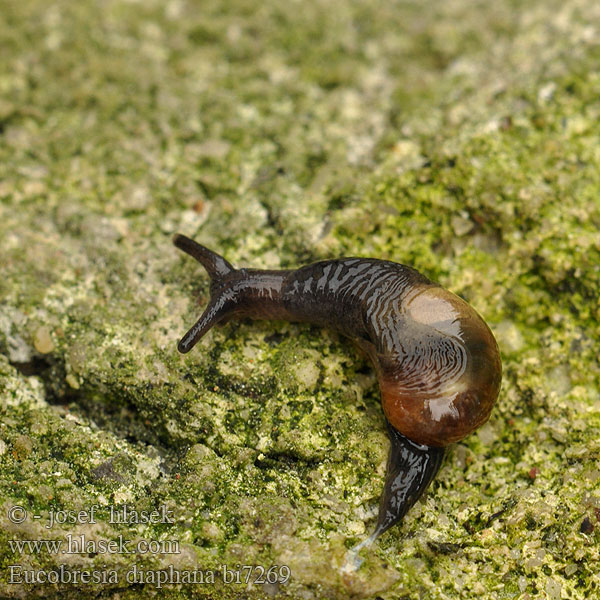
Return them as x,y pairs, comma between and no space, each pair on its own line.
461,140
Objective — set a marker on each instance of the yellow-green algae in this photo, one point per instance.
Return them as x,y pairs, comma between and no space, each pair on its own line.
458,137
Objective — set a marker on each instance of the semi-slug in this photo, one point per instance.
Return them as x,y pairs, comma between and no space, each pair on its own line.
437,362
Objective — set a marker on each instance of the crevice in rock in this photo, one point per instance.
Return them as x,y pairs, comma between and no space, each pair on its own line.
285,459
101,412
36,366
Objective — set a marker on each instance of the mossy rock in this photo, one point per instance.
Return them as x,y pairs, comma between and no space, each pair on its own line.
459,138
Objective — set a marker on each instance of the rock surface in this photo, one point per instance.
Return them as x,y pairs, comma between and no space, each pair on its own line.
457,137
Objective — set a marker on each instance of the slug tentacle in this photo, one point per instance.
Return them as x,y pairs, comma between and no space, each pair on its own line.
218,309
216,266
222,300
437,362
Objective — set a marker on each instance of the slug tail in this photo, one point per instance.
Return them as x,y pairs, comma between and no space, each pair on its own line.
410,469
216,266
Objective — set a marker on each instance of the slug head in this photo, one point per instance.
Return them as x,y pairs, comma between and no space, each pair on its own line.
440,371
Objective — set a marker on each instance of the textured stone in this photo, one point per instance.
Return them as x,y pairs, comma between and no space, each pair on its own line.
461,139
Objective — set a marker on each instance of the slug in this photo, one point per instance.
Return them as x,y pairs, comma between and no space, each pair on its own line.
436,360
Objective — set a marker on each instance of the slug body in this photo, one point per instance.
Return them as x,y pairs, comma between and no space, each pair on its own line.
437,362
